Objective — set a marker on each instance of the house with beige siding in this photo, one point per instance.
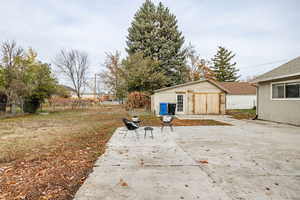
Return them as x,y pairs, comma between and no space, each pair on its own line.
203,97
278,93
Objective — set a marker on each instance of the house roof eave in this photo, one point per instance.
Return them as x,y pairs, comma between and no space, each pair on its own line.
274,78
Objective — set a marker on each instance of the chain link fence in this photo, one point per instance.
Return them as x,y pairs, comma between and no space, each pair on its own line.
7,110
51,106
10,110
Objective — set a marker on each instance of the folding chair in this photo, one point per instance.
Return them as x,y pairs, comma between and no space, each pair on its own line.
166,120
131,126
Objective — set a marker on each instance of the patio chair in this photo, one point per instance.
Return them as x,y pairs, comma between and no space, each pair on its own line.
136,120
166,120
131,126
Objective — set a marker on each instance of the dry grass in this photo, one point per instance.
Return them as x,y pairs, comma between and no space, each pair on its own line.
195,122
150,120
33,133
242,113
49,156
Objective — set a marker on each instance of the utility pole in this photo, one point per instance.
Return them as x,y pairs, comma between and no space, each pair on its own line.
95,86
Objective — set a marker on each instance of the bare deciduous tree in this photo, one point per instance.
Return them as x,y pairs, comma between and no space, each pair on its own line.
198,67
250,78
74,65
112,75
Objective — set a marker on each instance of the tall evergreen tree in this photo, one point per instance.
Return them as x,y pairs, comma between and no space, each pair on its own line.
154,32
223,67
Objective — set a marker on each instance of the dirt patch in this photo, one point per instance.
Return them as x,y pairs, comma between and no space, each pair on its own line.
200,122
155,121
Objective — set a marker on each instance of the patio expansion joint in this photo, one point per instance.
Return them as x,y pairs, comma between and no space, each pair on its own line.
270,175
149,165
204,169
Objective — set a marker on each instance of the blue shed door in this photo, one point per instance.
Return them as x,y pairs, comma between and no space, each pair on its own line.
163,108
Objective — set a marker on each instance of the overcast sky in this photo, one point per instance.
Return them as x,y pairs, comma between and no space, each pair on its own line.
257,31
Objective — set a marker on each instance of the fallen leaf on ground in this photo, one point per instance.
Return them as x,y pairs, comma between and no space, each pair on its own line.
123,183
142,163
203,161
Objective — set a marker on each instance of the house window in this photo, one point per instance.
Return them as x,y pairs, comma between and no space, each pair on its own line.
292,90
289,90
180,103
278,91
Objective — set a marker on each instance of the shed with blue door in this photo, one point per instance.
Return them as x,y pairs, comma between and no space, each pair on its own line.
198,97
163,108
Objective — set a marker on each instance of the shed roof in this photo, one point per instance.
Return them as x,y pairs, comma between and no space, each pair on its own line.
238,88
289,69
193,83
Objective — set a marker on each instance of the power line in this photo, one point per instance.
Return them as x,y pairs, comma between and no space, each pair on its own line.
263,64
64,78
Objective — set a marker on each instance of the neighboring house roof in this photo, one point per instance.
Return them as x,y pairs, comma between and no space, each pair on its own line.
193,83
289,69
238,88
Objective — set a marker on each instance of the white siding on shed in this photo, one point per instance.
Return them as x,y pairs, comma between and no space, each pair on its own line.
240,101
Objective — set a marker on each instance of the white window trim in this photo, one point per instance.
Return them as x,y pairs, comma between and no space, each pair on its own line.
183,106
283,99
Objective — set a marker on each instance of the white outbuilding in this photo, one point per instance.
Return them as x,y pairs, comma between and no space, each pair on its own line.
240,95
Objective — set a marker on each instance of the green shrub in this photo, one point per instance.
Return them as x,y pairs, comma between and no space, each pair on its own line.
31,104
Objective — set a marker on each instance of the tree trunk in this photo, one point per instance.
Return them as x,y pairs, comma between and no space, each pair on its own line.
3,102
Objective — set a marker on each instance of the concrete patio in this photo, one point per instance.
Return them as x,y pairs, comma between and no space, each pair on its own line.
249,160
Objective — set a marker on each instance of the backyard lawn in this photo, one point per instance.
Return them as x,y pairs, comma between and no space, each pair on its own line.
49,156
